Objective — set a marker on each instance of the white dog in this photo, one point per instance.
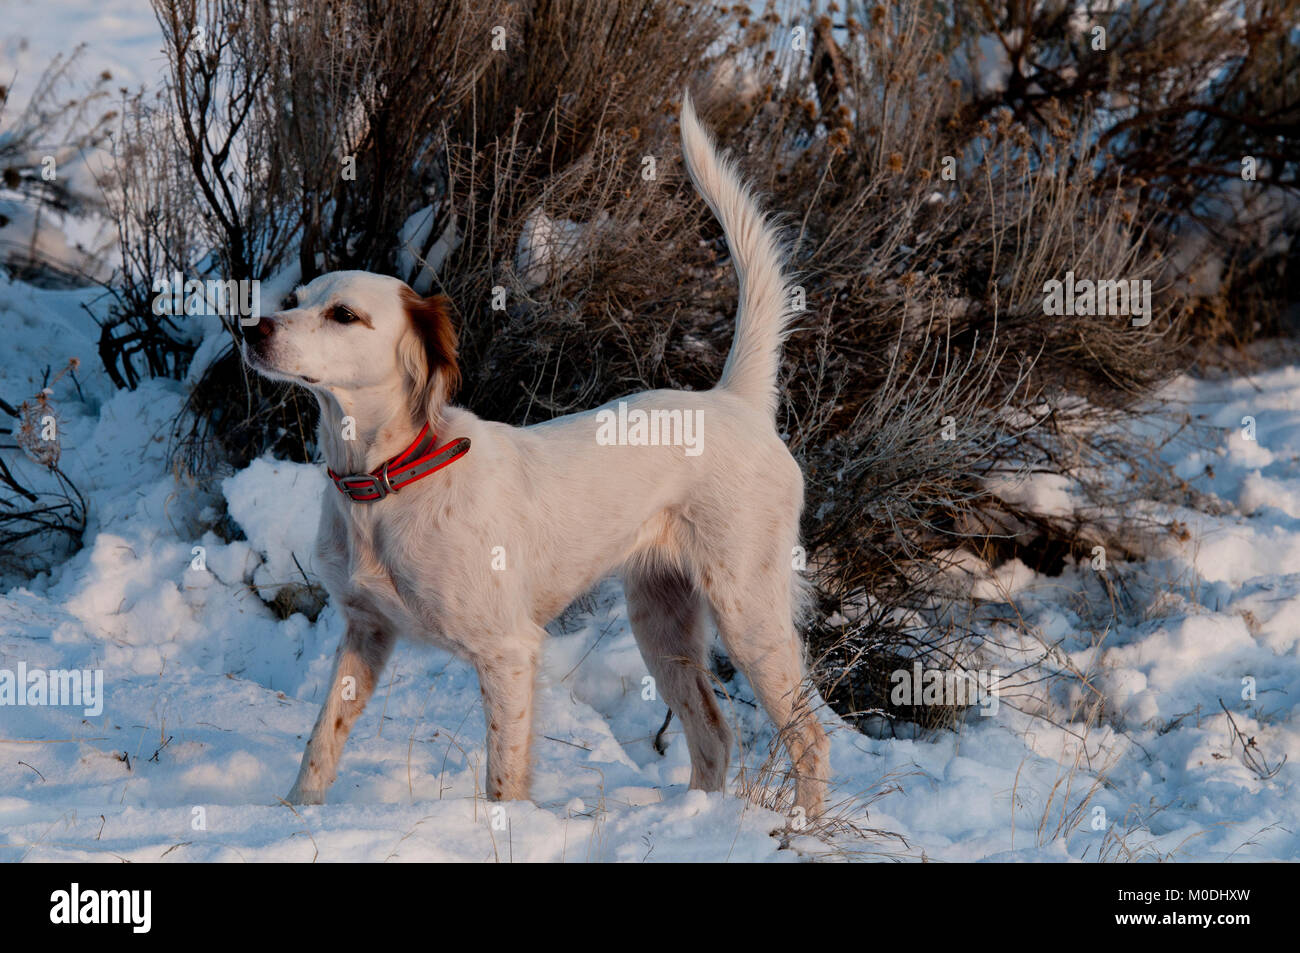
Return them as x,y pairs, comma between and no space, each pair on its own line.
477,549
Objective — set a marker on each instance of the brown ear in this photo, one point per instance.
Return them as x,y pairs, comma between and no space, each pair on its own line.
435,373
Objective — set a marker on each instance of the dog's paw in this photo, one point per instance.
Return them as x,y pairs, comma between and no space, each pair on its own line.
309,796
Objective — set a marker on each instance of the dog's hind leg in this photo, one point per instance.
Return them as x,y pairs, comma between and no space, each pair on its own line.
756,625
670,620
361,656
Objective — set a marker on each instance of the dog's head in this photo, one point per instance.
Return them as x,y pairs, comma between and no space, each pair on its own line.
353,331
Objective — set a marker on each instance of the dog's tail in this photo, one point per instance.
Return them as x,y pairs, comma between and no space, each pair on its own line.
765,312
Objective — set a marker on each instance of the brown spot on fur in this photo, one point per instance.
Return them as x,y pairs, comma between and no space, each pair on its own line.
713,716
338,724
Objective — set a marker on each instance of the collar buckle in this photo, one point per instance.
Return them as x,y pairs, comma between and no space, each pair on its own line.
364,487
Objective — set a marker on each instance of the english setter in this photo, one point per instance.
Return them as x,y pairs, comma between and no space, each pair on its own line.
473,534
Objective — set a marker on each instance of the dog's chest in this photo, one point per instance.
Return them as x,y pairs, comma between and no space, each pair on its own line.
411,570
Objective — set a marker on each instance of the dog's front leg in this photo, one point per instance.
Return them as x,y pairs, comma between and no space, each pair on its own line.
506,679
361,657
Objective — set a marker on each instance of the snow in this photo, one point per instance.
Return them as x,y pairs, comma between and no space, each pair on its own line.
1109,741
549,248
120,36
413,235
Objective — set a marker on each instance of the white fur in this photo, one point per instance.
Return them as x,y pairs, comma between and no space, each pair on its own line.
692,535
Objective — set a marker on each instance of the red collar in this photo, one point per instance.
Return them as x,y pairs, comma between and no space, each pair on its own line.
416,461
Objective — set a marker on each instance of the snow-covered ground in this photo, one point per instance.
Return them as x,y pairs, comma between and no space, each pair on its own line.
209,696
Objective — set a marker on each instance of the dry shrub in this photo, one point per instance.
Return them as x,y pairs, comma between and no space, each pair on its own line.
42,513
148,192
1194,89
60,121
561,128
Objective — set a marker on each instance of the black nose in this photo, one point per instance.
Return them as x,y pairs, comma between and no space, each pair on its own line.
254,332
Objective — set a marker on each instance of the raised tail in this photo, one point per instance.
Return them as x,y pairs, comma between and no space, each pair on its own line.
765,311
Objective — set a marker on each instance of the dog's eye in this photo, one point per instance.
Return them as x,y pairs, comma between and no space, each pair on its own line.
290,302
342,315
